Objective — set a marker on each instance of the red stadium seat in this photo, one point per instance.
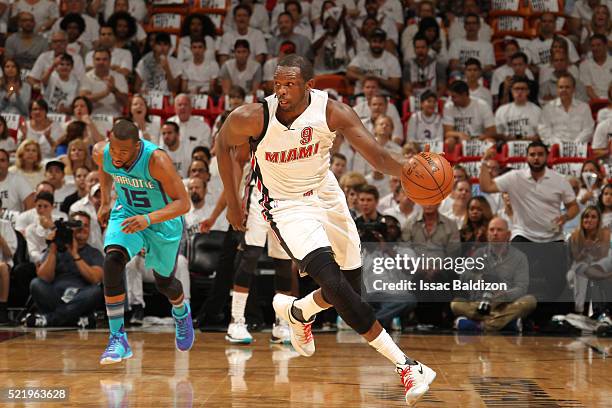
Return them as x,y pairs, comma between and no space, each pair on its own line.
515,151
596,105
337,82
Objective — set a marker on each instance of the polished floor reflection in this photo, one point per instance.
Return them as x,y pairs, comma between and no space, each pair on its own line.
473,371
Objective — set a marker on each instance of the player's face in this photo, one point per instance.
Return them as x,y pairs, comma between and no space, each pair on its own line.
123,152
290,89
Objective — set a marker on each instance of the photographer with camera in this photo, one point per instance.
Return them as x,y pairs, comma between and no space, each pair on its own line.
494,311
68,283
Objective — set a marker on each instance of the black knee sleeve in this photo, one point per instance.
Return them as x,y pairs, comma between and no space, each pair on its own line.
247,263
282,277
336,290
114,266
353,276
168,286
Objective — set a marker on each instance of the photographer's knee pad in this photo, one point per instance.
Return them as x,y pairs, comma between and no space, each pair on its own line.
247,263
114,265
336,290
282,277
169,286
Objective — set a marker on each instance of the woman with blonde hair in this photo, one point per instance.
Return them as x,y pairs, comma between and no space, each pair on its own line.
28,162
76,156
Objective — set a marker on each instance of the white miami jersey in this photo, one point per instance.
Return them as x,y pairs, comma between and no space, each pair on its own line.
291,162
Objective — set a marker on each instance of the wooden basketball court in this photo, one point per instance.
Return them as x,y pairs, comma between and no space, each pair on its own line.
473,371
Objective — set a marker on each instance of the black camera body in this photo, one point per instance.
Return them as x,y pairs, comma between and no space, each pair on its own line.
64,234
366,230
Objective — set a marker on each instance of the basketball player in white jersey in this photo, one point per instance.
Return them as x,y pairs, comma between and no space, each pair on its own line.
291,134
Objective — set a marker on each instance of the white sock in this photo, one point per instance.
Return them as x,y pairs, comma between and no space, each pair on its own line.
385,345
308,306
239,300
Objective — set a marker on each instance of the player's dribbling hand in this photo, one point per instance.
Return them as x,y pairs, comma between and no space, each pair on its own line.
236,218
134,224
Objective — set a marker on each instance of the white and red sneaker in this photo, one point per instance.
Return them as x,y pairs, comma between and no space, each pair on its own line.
416,379
301,333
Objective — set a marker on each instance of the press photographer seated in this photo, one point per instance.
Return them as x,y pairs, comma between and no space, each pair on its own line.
68,282
493,311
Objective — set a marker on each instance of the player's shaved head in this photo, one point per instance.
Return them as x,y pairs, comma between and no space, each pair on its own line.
297,61
124,129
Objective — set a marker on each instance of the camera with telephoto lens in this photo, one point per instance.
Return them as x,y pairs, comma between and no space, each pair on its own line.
64,234
484,307
367,230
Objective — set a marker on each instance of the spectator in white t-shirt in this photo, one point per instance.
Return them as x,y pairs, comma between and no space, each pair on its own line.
15,192
178,150
260,18
560,65
385,22
74,26
242,16
426,124
423,72
518,120
379,105
466,118
54,174
139,114
376,62
200,71
473,77
157,70
596,71
602,138
92,27
197,25
108,90
40,128
471,46
61,87
519,62
540,47
457,26
565,118
334,45
241,70
121,60
193,129
286,33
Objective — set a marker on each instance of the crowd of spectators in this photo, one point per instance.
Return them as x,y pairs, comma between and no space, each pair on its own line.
466,77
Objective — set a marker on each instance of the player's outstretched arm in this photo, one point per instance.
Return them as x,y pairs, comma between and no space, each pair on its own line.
162,169
106,184
243,123
343,119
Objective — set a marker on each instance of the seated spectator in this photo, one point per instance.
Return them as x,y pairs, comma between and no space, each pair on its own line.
236,97
461,49
80,176
76,130
27,217
370,21
48,60
376,62
496,200
54,174
600,24
194,130
77,157
519,63
596,71
26,45
540,47
604,203
351,184
197,25
14,93
107,89
338,165
507,264
129,34
16,193
137,8
286,32
601,139
176,147
74,26
424,9
392,198
383,132
423,72
333,46
28,163
37,232
473,77
198,169
565,118
8,246
285,48
241,70
589,193
199,212
139,114
157,70
260,18
302,13
550,75
90,34
606,113
518,120
371,87
506,71
378,105
90,203
60,86
68,280
458,29
368,201
404,209
582,14
121,60
457,208
242,16
45,12
466,118
436,40
475,223
426,124
81,109
200,71
6,141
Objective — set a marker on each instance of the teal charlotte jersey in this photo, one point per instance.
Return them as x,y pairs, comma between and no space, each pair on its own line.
138,193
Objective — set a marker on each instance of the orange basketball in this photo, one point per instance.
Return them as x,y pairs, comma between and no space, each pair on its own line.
427,178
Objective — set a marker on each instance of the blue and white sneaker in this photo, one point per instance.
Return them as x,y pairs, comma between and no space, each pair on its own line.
237,332
118,348
184,330
463,324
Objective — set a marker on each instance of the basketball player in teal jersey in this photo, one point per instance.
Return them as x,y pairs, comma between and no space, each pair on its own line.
151,199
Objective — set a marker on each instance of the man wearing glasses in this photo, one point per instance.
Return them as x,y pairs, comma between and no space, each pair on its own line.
518,120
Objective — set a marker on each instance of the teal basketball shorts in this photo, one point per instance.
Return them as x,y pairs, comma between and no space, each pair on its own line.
160,241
